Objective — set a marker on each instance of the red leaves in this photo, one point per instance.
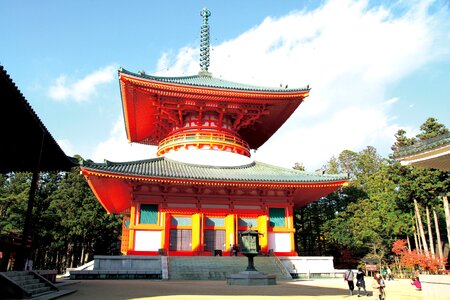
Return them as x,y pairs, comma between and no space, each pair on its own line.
414,259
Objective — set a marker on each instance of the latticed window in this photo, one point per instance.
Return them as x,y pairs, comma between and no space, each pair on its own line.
149,214
180,240
276,216
214,240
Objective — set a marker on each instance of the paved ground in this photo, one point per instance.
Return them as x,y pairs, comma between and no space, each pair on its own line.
325,289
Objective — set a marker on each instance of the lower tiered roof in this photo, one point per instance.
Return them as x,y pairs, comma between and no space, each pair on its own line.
109,179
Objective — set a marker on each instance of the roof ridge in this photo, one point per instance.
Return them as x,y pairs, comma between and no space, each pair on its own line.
210,80
308,173
209,166
169,168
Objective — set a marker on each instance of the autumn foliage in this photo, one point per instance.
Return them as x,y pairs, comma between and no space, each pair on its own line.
413,259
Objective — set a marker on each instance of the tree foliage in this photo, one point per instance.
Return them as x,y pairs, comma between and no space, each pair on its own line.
376,208
69,225
431,128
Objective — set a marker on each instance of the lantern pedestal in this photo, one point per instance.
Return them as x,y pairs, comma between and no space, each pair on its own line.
250,248
251,278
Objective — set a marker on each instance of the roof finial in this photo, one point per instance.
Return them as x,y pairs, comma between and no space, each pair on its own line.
204,43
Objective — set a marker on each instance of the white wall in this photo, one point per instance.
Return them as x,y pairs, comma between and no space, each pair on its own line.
145,240
280,242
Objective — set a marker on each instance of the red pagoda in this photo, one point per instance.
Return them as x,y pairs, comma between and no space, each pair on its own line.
203,188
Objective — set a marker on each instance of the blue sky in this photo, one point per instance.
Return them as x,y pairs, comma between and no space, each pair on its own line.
373,66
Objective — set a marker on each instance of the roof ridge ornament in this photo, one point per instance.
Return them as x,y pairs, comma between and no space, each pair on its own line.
204,43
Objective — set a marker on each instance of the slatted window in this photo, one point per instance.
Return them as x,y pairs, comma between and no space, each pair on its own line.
276,216
126,223
148,214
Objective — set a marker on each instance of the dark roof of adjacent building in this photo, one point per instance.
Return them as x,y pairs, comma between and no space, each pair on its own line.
27,145
162,167
423,145
430,153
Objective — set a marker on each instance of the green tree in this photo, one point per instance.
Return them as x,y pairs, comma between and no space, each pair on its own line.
431,128
401,140
82,222
368,219
13,201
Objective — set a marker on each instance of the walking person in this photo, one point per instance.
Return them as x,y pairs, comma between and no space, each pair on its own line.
360,282
378,286
389,274
348,276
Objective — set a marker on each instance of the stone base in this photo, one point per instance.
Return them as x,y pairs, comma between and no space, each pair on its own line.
251,278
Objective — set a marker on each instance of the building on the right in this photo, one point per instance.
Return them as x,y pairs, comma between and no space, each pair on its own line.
430,153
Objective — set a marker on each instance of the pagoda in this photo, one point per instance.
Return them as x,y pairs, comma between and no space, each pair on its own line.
203,188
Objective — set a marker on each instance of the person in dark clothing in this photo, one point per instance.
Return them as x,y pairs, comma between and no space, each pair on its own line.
360,282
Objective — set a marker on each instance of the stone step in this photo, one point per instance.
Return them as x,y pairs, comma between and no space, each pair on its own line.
21,277
218,267
33,286
40,290
29,282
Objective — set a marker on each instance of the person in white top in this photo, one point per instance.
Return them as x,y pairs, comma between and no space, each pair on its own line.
348,276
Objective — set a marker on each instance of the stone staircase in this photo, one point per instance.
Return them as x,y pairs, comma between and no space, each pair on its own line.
23,285
219,267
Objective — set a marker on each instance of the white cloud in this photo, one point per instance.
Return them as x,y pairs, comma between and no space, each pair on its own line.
66,146
391,101
82,89
349,53
117,148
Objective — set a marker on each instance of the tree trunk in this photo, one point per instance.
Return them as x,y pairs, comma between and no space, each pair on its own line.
430,233
399,267
421,231
416,236
438,234
447,217
409,243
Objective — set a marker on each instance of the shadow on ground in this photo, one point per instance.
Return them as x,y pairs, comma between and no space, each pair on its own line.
132,289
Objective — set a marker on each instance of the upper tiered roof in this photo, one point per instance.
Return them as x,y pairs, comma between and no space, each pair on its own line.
154,105
208,81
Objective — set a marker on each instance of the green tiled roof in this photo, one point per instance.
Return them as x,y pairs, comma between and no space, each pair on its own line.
423,145
162,167
206,80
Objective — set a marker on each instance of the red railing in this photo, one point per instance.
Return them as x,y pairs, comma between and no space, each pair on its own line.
215,140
